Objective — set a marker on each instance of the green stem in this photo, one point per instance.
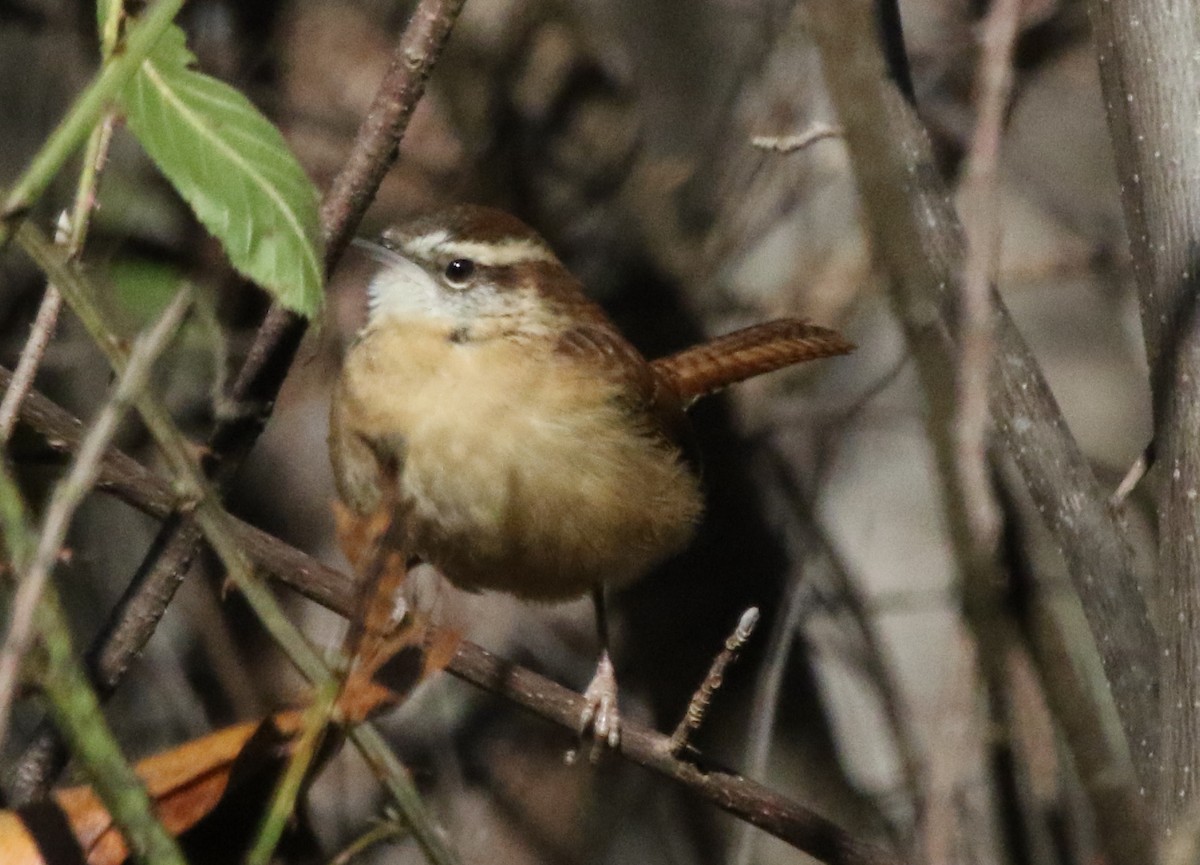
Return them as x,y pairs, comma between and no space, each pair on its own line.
316,719
396,780
88,108
97,147
387,830
78,715
19,542
75,708
110,32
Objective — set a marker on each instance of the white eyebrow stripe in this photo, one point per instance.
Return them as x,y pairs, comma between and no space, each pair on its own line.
497,254
424,245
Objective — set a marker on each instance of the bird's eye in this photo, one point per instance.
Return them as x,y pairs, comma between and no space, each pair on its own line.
459,271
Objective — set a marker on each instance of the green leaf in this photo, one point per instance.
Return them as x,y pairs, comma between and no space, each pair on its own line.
234,170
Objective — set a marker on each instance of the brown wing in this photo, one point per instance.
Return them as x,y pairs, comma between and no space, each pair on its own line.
761,348
647,392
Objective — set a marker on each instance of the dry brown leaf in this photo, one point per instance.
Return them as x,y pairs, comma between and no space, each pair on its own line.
189,782
186,783
360,537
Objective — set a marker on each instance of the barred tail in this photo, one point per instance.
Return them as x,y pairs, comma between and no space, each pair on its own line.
745,353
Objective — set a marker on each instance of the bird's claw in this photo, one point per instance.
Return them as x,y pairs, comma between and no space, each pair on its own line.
600,720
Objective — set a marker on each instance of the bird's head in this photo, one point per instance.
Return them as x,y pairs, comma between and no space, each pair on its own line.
476,270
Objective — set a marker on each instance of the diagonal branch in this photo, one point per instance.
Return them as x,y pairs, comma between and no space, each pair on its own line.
799,826
82,117
76,233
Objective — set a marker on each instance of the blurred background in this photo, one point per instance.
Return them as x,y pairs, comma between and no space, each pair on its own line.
624,131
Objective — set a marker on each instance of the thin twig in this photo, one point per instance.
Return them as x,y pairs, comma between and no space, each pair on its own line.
70,492
807,539
791,822
31,358
376,145
745,799
287,790
981,226
984,589
1133,477
34,350
374,150
389,829
698,705
47,314
792,143
764,707
854,73
83,115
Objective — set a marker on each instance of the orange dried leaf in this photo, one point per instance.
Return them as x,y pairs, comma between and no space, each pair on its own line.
360,537
361,697
186,784
17,843
394,665
386,609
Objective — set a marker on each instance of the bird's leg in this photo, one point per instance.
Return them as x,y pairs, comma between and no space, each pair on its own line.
600,717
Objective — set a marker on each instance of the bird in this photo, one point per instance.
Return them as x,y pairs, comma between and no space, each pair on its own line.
522,442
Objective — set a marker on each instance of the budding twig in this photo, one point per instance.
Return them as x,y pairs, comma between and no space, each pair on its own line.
694,717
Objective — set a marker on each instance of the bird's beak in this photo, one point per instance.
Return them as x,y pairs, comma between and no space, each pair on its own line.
401,287
378,252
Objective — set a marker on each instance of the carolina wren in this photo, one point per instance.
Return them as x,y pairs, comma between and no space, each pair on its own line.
533,449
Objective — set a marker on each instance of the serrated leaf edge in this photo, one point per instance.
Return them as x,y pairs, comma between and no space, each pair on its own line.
289,213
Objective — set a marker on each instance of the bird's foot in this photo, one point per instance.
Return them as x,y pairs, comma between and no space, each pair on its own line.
600,721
